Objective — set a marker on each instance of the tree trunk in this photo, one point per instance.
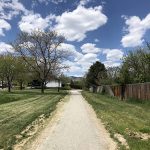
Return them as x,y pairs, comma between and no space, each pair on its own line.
58,85
9,86
21,86
2,84
42,87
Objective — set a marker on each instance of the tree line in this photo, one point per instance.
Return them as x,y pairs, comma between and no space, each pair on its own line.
37,55
135,68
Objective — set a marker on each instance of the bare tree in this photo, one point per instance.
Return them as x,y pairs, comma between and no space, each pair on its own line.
41,51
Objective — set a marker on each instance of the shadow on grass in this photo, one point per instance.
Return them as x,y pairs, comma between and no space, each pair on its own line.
16,95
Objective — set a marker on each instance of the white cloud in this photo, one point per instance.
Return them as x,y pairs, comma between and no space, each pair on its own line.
113,57
71,48
5,48
80,63
113,54
111,64
87,60
136,29
11,8
32,22
74,68
4,25
74,25
84,2
90,48
52,1
8,10
96,40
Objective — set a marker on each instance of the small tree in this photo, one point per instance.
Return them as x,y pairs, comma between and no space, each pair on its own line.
113,75
23,73
2,74
41,51
8,68
96,74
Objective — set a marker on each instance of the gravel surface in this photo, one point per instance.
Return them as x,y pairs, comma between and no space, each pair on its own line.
76,128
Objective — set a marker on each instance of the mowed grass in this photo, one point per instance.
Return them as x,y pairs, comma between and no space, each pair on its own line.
19,108
123,118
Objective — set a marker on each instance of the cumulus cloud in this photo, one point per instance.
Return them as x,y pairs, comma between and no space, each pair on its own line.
11,8
90,48
113,54
111,64
84,2
80,62
71,48
136,29
32,22
113,57
75,24
87,60
4,47
96,40
74,68
8,10
4,25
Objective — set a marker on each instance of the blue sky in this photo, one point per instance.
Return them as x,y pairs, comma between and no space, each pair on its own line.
101,30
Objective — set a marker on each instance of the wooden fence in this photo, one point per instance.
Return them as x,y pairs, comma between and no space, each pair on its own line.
136,91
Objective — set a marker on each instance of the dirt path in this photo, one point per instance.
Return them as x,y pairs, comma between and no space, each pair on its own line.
76,128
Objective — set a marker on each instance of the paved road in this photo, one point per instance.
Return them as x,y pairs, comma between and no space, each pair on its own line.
77,129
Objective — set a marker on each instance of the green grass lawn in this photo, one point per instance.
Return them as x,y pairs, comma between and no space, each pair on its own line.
19,108
123,118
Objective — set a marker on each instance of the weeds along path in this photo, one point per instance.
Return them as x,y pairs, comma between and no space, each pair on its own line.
76,128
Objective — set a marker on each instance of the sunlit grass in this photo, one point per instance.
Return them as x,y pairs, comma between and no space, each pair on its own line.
19,108
120,116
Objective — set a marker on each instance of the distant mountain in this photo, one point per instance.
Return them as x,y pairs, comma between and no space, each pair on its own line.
76,78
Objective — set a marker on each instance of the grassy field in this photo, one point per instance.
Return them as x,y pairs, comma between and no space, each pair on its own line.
19,108
126,118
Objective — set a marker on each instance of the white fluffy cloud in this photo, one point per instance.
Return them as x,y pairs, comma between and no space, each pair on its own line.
5,48
11,8
113,57
113,54
80,62
96,40
87,60
71,48
53,1
32,22
136,29
4,25
74,68
74,25
84,2
90,48
111,64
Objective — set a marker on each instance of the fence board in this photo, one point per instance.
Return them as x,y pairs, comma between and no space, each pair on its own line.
136,91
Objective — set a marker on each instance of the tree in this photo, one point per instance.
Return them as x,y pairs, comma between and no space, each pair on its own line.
96,74
41,51
8,68
23,74
113,75
2,75
136,66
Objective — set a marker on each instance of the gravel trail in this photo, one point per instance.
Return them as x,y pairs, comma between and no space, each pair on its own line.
76,128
